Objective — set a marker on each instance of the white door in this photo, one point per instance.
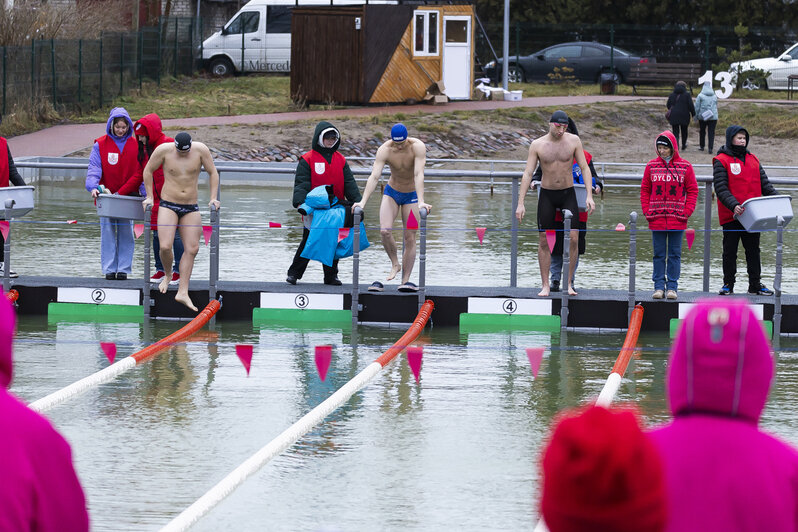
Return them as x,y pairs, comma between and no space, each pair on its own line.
245,33
457,55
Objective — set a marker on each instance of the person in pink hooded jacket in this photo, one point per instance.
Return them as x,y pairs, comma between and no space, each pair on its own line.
39,489
722,472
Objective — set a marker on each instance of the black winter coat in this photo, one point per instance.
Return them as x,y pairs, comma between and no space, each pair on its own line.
680,102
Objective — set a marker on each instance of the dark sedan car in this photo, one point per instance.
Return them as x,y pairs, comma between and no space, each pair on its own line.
577,61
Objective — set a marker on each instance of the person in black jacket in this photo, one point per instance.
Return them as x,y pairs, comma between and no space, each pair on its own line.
8,176
682,110
322,165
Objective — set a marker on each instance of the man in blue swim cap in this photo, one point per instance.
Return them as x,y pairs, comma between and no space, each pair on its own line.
404,193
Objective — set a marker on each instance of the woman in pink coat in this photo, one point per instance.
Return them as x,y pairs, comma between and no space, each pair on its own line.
38,486
722,472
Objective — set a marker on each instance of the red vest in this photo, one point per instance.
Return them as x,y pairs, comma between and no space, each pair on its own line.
744,181
324,173
3,163
117,167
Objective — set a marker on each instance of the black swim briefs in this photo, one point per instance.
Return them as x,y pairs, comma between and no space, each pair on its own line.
551,200
179,209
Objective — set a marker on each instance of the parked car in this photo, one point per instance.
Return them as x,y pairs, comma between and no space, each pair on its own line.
588,60
778,68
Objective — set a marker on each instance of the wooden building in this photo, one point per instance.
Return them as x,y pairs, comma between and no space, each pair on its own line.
381,53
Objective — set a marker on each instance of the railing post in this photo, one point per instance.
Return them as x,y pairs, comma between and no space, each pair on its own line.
174,69
80,71
422,258
514,237
52,69
707,231
632,261
214,266
777,281
7,247
5,60
356,265
101,70
145,293
566,266
121,64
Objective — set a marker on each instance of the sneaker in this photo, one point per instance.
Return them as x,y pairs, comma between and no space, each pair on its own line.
761,291
290,279
110,276
700,148
658,294
121,276
175,278
157,277
727,290
333,282
555,286
671,295
11,273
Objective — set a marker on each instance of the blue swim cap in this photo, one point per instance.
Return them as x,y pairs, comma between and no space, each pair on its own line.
398,133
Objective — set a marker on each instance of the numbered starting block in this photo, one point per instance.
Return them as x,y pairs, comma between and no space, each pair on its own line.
303,307
509,313
96,304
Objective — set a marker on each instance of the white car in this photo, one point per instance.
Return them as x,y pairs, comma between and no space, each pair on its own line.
778,67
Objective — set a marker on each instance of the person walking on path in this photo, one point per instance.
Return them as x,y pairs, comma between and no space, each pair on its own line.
556,152
680,112
322,165
114,165
182,162
39,489
149,134
404,194
706,110
721,470
8,176
668,195
737,176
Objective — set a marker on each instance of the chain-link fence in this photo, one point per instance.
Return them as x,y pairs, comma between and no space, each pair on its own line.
86,74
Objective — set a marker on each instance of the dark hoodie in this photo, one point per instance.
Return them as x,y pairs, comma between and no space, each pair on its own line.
302,178
680,102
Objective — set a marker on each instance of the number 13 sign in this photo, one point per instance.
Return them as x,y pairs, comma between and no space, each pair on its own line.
725,79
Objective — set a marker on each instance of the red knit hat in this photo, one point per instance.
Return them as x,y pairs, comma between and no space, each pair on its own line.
601,473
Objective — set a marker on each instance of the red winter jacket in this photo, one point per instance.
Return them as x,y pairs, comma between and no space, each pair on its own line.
150,126
669,191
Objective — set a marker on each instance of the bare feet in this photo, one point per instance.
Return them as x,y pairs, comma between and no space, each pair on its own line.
164,285
395,268
184,299
544,292
571,291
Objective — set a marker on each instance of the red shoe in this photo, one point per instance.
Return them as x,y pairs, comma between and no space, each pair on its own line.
157,277
175,278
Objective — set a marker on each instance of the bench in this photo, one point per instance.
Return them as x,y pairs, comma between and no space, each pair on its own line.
651,73
792,79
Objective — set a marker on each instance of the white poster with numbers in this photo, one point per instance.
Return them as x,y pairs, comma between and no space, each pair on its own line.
99,296
302,301
509,305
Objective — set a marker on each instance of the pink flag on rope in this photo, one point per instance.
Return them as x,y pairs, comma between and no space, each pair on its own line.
620,227
72,221
109,348
323,358
690,236
206,232
414,356
138,230
412,222
244,352
535,356
481,233
275,224
4,229
551,238
343,232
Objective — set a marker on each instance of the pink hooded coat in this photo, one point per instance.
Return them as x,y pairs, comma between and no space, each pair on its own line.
39,490
722,472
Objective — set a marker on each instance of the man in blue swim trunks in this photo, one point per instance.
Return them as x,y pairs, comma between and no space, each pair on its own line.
182,162
404,193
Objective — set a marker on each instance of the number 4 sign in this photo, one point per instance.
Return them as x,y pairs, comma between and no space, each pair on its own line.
725,79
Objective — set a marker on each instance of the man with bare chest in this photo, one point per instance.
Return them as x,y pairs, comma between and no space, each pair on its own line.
182,162
555,152
404,193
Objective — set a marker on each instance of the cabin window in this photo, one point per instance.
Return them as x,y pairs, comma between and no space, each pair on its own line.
425,33
278,19
250,20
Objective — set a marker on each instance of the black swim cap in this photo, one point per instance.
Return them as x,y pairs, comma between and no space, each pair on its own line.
559,117
183,141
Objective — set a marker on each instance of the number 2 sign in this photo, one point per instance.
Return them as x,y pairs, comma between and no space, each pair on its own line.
725,79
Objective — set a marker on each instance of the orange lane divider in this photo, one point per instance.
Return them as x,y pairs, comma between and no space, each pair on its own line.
621,363
12,295
412,333
181,334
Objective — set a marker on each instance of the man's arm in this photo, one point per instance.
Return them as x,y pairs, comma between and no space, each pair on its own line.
376,171
213,175
13,174
526,179
420,153
587,176
155,162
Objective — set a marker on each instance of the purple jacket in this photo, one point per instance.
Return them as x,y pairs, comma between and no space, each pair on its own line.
722,472
38,486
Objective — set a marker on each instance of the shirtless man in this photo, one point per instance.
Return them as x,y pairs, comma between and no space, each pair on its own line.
182,162
406,157
556,152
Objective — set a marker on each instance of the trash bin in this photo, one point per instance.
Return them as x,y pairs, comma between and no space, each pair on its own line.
608,82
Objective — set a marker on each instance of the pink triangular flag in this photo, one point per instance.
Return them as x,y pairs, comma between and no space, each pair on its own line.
551,238
414,356
535,356
109,348
274,224
138,230
323,357
412,223
244,352
72,221
343,232
620,227
690,236
481,233
4,229
206,232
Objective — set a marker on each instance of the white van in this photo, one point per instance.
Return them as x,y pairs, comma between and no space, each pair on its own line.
264,45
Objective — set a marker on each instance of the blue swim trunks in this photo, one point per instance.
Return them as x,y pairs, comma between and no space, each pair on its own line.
401,198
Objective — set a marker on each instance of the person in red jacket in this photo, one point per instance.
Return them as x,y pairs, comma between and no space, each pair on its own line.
668,196
149,133
738,176
8,176
114,165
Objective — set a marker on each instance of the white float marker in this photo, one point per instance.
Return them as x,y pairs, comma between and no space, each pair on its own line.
244,353
323,357
535,356
414,356
620,227
109,348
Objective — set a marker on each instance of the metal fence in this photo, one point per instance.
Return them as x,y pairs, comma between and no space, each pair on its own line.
85,74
